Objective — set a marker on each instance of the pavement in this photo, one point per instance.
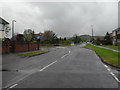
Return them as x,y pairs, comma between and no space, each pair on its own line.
109,49
62,67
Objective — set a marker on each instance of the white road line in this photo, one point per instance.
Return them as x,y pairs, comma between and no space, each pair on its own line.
48,65
106,66
69,51
66,54
13,86
112,74
60,47
117,79
108,69
114,77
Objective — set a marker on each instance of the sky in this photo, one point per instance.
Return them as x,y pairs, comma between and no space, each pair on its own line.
64,18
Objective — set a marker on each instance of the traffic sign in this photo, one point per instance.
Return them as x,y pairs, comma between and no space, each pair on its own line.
39,37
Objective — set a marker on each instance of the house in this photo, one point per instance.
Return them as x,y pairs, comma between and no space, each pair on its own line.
116,36
4,28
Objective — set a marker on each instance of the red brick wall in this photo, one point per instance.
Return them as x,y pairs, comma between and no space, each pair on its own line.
4,49
25,47
33,46
21,48
18,48
0,49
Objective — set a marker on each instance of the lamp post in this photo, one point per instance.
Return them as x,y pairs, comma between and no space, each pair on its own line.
92,32
13,27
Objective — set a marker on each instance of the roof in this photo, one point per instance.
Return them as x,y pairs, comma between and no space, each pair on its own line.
3,21
118,29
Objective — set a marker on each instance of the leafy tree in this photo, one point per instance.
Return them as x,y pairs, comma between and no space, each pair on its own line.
20,38
107,39
50,37
28,34
76,39
64,38
60,38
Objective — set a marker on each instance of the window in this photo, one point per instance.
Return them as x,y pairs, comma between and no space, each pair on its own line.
118,40
118,32
1,27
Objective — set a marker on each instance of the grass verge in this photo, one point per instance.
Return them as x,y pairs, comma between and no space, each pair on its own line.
66,45
112,47
106,55
32,53
59,46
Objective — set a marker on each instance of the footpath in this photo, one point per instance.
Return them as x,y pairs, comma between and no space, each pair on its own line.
108,48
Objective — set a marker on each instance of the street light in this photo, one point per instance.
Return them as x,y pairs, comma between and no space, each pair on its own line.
92,32
13,27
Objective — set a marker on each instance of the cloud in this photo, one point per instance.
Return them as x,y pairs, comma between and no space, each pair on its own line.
64,18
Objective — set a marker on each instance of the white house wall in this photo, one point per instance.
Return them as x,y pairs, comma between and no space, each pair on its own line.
2,34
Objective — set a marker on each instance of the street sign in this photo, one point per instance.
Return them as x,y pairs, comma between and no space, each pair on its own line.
39,37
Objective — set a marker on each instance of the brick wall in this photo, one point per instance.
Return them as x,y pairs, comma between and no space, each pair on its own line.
4,49
33,46
18,48
25,47
21,48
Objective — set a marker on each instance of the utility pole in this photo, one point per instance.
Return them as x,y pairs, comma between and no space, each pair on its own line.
13,27
92,32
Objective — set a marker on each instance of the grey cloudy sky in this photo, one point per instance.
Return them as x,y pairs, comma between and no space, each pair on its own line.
64,18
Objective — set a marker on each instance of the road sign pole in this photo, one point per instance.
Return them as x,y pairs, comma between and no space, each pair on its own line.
38,43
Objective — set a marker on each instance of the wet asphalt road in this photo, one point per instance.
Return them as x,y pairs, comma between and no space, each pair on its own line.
70,67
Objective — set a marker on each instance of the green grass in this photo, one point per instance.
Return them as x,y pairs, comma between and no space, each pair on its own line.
32,53
112,47
58,46
66,45
108,56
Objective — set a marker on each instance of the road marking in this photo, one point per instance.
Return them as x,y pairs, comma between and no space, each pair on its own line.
69,51
108,69
60,47
106,66
48,65
116,79
112,74
66,54
13,86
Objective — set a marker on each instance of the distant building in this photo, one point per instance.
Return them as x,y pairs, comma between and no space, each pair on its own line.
116,36
3,28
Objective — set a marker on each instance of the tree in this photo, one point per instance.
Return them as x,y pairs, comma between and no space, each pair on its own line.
28,34
60,38
107,39
50,37
65,38
20,38
76,39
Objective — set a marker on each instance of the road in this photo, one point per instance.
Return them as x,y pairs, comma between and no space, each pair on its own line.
62,67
